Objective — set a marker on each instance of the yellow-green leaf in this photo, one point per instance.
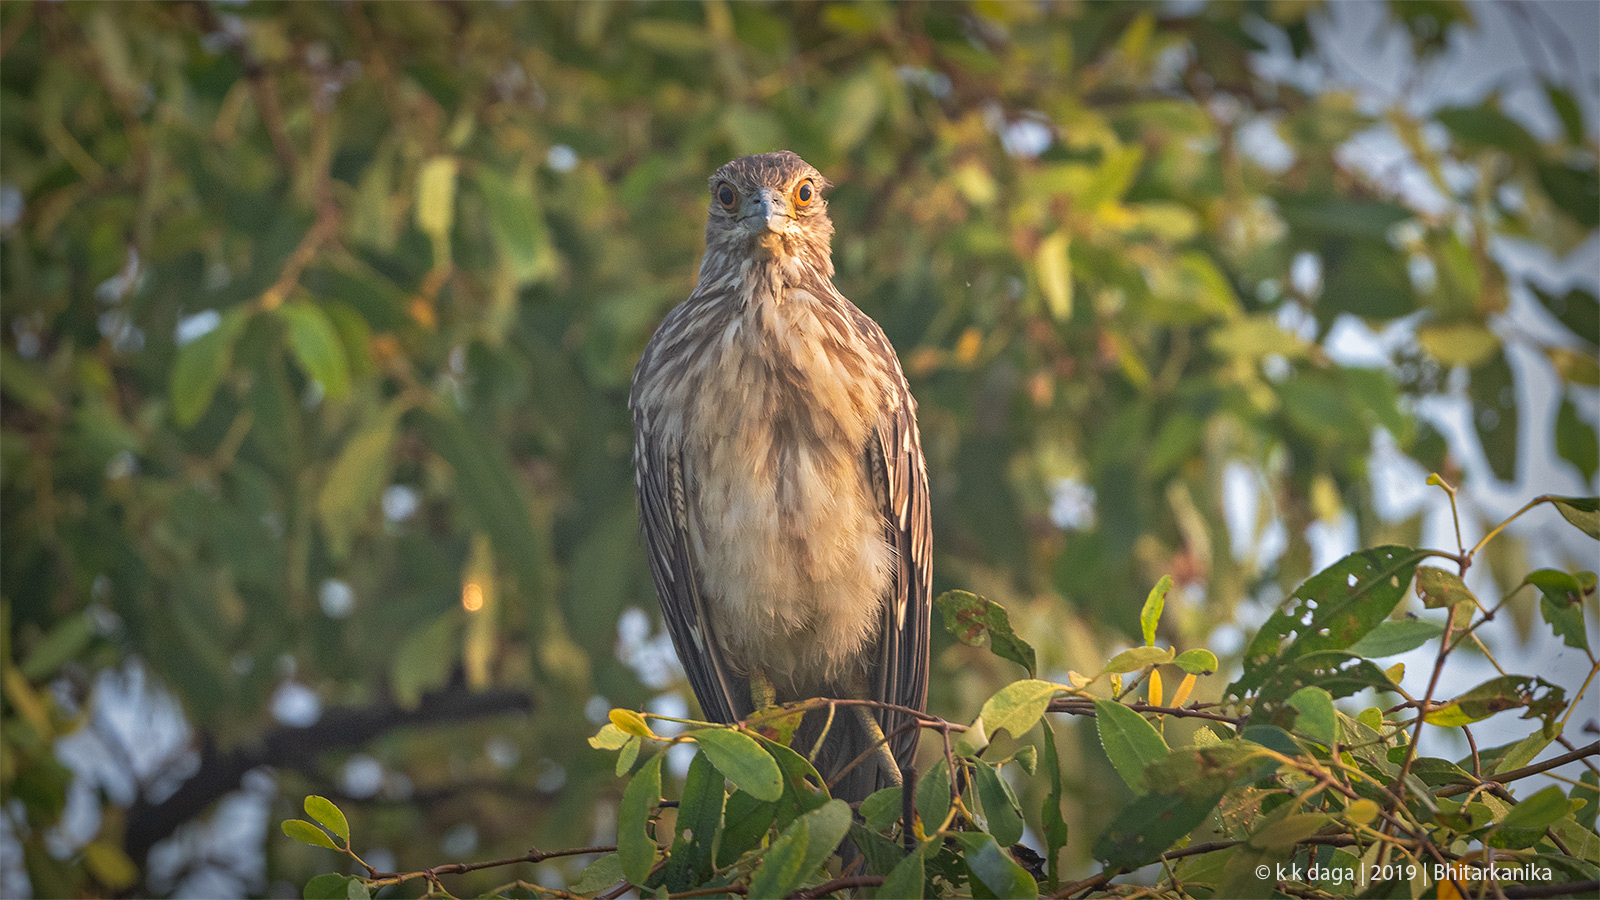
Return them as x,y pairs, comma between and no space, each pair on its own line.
1054,263
436,198
1017,706
630,722
307,833
1139,657
331,817
1154,603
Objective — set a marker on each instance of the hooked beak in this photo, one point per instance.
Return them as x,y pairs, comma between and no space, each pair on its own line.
773,214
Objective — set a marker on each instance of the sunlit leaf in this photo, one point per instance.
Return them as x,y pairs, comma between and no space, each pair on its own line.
1017,706
1154,603
307,833
329,816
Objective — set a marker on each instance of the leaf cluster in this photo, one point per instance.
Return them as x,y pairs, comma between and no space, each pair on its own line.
1300,795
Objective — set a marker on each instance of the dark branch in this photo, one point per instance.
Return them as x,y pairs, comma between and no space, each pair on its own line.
298,748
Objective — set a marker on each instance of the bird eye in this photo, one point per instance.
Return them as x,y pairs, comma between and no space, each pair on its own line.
727,196
804,195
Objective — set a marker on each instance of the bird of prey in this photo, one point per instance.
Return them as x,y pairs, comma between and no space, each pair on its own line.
782,489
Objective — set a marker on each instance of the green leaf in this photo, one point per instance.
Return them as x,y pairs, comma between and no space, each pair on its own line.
1130,741
1137,658
336,887
742,761
601,874
1196,662
1535,696
978,622
316,347
1573,189
1317,718
1576,440
1441,589
1185,787
1017,706
933,796
1054,265
329,816
1567,110
1484,126
1154,603
1561,603
1495,414
636,849
1539,810
307,833
906,880
882,808
1330,611
698,827
1584,512
516,222
1288,830
803,846
610,737
425,658
357,477
61,644
1000,804
994,873
436,198
857,106
1396,636
1055,824
1342,216
200,366
745,823
1578,309
629,754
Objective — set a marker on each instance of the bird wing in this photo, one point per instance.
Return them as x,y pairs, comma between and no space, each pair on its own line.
900,479
663,516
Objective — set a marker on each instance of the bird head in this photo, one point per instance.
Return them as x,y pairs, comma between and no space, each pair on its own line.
769,205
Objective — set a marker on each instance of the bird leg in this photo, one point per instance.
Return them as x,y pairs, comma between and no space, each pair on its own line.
762,693
886,760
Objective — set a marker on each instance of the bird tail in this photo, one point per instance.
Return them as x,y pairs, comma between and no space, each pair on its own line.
849,757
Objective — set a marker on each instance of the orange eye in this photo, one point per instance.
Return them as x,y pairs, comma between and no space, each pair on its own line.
804,194
727,196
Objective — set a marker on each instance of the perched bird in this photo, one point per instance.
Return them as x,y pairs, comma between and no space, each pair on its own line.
782,488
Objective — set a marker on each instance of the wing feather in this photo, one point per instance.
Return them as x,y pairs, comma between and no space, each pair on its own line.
663,517
900,476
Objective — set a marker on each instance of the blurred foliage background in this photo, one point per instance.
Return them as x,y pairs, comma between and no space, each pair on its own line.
319,321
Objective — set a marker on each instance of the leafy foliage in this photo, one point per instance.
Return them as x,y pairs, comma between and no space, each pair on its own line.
1323,801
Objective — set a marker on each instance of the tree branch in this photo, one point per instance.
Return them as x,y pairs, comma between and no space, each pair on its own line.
298,748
